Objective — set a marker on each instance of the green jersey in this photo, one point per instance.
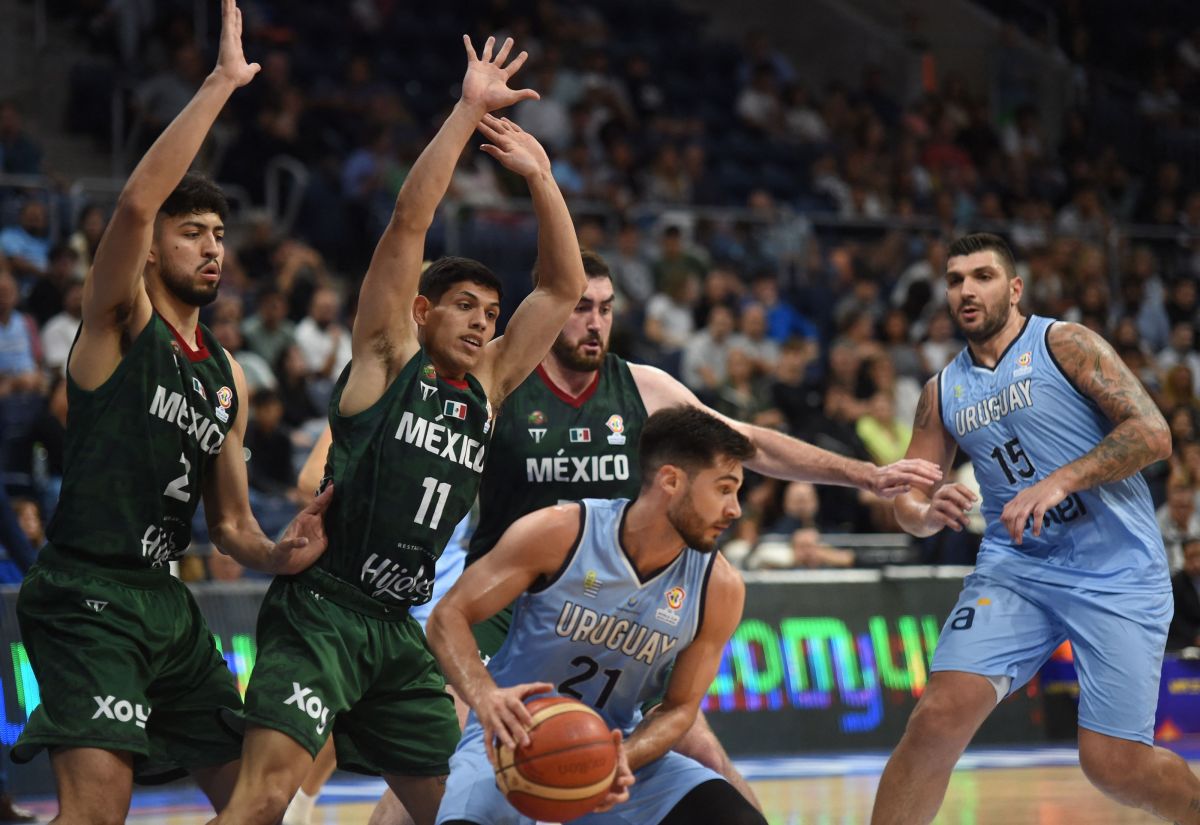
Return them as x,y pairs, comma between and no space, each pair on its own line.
549,447
405,471
138,450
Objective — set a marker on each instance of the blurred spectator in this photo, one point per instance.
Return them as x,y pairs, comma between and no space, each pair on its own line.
299,404
274,496
1181,349
58,334
29,519
226,327
85,240
899,348
269,331
632,273
669,322
802,122
753,340
793,391
704,356
784,321
1185,585
675,262
18,343
19,153
27,245
47,298
793,540
1178,519
323,341
940,346
158,100
882,431
743,394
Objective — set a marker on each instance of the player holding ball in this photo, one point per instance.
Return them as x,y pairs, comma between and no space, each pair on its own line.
610,594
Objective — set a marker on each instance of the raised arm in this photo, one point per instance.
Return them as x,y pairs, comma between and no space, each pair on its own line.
1140,435
694,669
781,456
561,279
384,336
114,297
231,524
534,546
928,507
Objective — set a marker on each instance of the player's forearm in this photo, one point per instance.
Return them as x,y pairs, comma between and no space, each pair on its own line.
912,513
781,456
560,268
1132,445
245,541
659,731
450,639
430,176
168,159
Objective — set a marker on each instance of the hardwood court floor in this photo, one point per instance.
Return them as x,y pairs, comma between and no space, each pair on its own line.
1049,795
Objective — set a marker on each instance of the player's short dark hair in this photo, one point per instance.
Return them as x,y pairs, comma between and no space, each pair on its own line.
689,438
196,194
445,272
594,266
985,242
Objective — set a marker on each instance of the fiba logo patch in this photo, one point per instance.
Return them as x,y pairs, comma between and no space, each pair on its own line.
616,426
1024,364
670,613
675,597
225,400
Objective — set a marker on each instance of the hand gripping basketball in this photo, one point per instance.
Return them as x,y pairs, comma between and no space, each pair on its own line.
571,764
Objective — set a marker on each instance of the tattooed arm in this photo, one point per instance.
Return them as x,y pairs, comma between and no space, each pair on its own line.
926,509
1140,435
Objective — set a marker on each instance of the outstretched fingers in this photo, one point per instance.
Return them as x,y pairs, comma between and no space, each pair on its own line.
505,48
486,57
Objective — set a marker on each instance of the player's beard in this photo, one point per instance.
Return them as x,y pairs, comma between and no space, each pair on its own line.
572,357
994,319
184,287
690,525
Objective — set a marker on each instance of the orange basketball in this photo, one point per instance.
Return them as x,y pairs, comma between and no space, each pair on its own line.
567,767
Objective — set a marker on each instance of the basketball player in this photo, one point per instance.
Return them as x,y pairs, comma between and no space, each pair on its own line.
571,430
410,419
1057,429
131,680
619,601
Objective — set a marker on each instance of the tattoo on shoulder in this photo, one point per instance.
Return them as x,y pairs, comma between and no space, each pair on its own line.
925,404
1100,373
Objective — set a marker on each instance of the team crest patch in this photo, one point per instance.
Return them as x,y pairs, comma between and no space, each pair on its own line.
1025,364
537,418
591,584
225,397
616,426
428,372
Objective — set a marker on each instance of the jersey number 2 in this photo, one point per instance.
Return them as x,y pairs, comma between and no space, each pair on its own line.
589,670
177,489
432,487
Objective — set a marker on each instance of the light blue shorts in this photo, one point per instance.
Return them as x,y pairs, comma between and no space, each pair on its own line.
472,795
449,568
1117,639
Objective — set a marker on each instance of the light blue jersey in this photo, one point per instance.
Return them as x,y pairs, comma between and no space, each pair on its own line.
1022,421
1097,575
599,632
604,635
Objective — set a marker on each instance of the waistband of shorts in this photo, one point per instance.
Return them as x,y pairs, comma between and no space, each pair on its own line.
347,595
53,557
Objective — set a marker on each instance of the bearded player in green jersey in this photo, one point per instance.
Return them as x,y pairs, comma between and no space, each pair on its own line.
571,430
131,681
410,417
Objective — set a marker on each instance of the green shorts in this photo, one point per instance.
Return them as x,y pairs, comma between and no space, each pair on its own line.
124,662
330,659
490,633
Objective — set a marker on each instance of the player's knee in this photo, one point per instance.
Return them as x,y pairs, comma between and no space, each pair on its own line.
263,805
938,720
1111,772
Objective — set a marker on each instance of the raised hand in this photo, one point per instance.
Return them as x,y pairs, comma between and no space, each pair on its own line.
304,540
231,62
902,476
513,146
486,81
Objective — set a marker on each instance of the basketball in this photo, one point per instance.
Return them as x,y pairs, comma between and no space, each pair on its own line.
567,767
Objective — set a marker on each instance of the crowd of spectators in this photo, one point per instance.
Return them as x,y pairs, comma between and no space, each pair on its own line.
824,328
